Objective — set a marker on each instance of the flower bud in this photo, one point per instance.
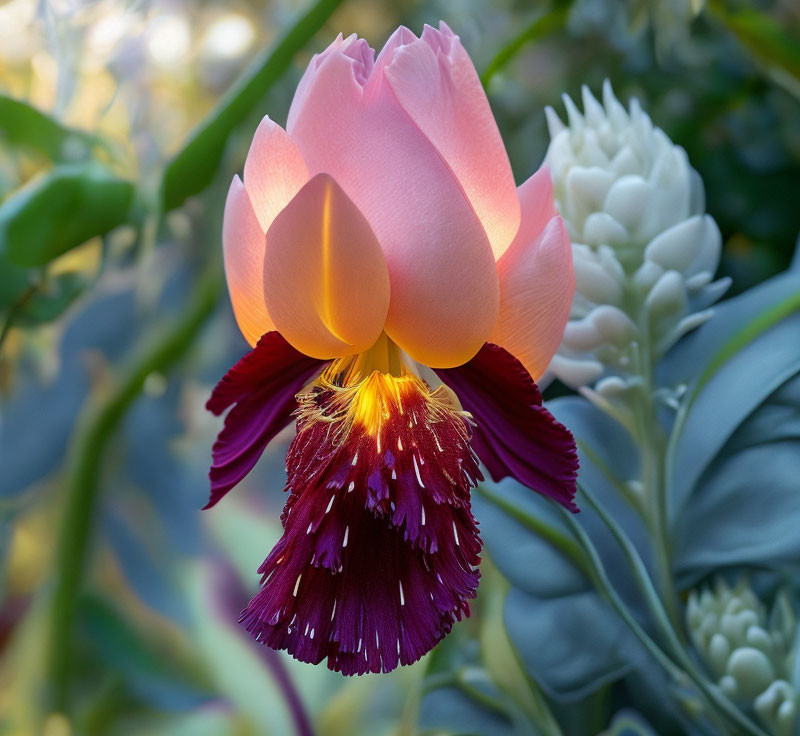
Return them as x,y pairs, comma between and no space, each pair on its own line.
751,654
633,207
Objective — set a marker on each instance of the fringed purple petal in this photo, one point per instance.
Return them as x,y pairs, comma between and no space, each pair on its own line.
262,385
379,553
515,435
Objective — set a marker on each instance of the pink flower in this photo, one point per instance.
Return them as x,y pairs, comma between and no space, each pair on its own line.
380,236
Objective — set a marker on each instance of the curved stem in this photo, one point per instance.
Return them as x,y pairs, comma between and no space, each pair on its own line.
686,666
639,570
83,483
544,24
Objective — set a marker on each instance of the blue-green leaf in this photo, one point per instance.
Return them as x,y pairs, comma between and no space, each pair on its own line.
159,681
567,637
745,509
468,703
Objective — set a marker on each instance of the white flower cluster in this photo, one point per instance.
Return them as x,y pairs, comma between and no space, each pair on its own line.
752,655
645,253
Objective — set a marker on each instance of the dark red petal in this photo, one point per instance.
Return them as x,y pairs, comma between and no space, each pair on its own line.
263,385
379,552
515,435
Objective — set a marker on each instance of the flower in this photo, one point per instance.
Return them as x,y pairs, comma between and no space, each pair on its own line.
401,295
750,653
645,254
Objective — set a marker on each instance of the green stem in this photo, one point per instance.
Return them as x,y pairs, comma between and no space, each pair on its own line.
542,26
196,165
685,666
14,310
566,546
83,484
652,445
639,570
458,680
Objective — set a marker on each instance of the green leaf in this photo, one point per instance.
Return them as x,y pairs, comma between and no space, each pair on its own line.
61,210
545,24
50,302
164,681
193,168
14,282
766,39
23,124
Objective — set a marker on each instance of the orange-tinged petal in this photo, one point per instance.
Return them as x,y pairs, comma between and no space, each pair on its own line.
437,85
273,172
325,279
444,292
243,244
537,281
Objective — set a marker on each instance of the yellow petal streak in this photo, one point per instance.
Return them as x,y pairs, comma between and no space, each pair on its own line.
326,312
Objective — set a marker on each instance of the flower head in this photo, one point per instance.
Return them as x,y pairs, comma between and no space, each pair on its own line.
751,652
401,296
645,253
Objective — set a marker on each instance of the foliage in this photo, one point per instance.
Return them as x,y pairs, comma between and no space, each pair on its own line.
118,598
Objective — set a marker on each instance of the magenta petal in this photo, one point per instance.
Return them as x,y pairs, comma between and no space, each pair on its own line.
515,435
263,385
380,550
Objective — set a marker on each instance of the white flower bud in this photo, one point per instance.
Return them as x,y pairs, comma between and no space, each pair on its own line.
752,671
777,708
633,207
750,654
718,652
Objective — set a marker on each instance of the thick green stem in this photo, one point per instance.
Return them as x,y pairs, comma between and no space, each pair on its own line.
88,450
652,445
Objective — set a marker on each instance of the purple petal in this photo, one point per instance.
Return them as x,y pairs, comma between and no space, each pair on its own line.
515,435
262,385
379,552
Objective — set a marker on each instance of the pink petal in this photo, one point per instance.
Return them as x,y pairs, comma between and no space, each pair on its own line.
444,291
537,281
536,203
437,85
273,172
325,278
243,244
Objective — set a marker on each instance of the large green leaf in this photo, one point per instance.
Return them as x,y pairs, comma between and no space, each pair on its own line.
61,210
745,509
567,637
193,168
731,365
23,124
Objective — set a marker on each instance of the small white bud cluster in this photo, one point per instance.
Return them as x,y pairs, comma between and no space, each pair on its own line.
644,251
751,655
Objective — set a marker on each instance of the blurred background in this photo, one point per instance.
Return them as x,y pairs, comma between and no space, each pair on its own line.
121,126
